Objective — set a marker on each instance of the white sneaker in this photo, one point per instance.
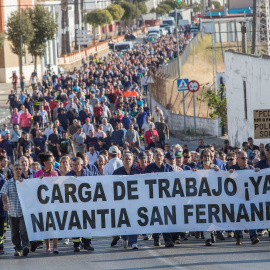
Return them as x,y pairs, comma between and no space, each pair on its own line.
66,242
134,246
125,243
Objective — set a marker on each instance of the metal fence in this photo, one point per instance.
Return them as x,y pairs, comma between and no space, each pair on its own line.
172,68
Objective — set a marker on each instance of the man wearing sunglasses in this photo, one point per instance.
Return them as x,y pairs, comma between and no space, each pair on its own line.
265,163
242,164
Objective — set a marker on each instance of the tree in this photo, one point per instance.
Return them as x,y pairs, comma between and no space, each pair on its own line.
45,29
116,11
2,39
97,18
13,30
163,8
142,7
174,4
216,4
130,11
217,105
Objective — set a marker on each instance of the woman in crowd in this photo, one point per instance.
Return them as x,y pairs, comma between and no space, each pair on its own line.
47,162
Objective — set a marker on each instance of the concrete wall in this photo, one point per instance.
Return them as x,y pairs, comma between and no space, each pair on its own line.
256,72
240,3
204,126
227,30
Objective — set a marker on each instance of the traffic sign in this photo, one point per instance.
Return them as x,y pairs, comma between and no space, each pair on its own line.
193,86
150,80
182,84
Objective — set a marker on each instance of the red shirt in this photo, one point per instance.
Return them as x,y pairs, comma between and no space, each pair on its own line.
26,119
53,104
148,135
98,111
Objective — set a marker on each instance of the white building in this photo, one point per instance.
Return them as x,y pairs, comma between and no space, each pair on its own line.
247,89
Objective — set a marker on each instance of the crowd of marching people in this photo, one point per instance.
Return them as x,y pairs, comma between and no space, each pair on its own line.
96,121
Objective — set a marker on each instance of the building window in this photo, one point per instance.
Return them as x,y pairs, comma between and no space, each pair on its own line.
245,98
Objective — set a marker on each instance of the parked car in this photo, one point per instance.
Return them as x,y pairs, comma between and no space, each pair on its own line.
130,37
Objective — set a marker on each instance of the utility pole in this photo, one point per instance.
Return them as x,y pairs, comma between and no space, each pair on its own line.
253,47
77,22
106,24
136,15
244,36
120,27
179,72
20,21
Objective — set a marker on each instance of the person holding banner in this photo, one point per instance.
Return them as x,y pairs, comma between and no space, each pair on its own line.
3,217
207,159
78,169
47,162
160,166
242,164
128,168
12,204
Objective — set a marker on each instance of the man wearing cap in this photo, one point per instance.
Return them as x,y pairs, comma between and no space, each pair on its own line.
8,145
242,164
148,136
265,163
128,168
160,166
114,162
87,126
78,139
170,159
179,161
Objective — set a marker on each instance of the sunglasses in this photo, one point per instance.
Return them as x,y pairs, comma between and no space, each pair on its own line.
186,156
267,150
243,158
230,159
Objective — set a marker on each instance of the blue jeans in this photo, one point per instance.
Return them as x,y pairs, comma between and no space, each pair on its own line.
239,234
26,129
132,239
22,86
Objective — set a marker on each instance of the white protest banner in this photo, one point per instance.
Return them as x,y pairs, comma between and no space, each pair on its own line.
59,207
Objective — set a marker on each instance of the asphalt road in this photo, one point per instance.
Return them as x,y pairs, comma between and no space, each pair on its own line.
191,254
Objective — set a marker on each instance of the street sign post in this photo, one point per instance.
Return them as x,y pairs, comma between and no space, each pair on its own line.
182,84
193,87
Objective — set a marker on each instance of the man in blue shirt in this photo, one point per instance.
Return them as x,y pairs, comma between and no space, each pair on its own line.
118,135
141,117
160,166
77,171
265,163
128,169
8,145
39,143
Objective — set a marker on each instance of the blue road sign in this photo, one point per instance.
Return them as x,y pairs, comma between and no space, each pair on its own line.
182,84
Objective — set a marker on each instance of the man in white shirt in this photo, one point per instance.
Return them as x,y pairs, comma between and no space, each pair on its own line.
114,162
106,126
145,126
92,154
156,114
44,115
87,126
